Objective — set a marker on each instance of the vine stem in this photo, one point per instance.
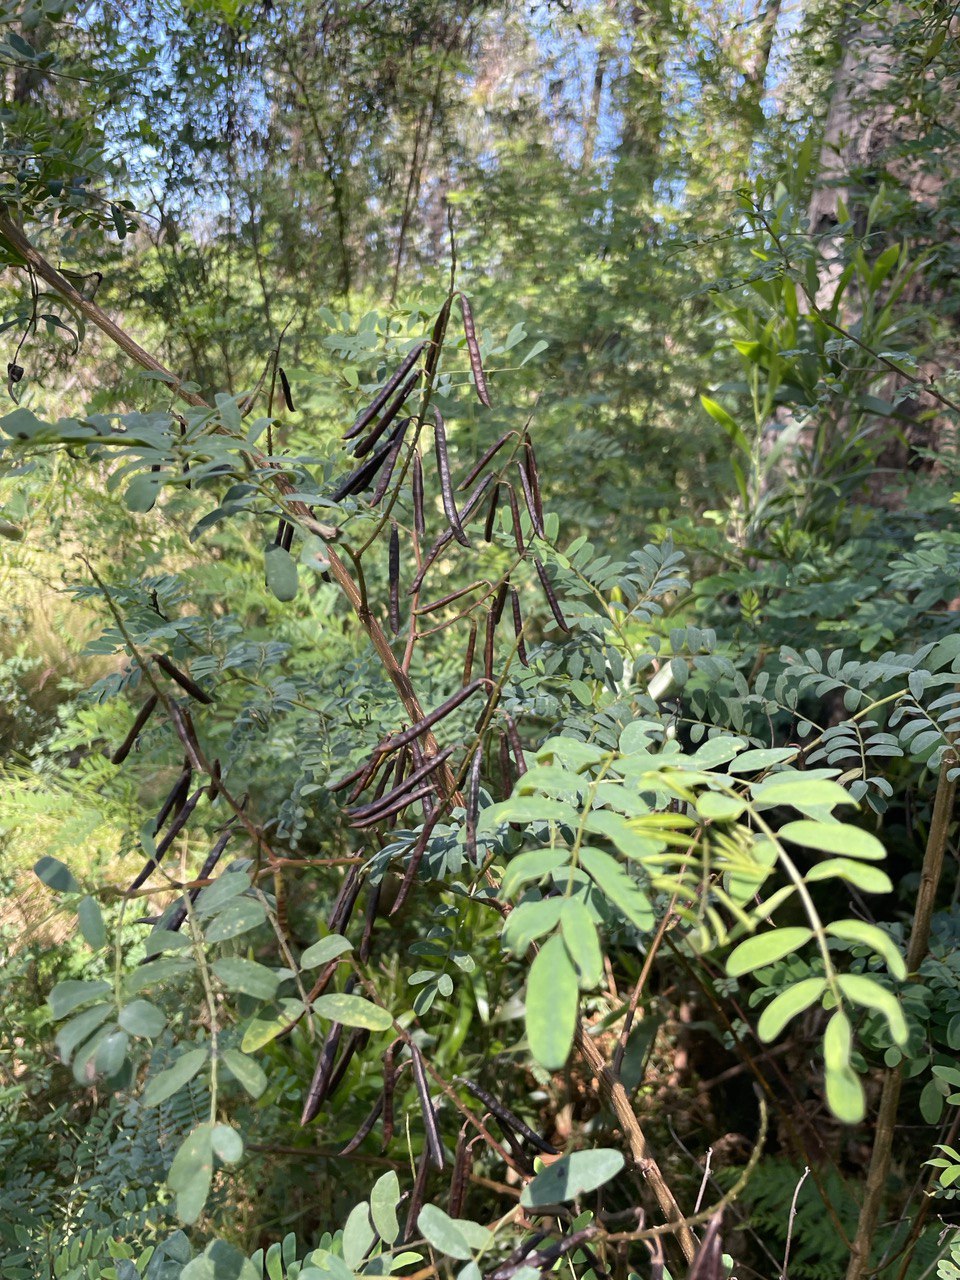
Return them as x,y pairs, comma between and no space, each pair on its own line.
885,1129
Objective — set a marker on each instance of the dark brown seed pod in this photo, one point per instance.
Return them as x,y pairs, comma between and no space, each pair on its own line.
532,470
470,651
187,735
394,573
361,775
384,394
417,1197
551,596
529,499
143,715
482,462
287,540
446,484
447,536
177,917
434,605
419,522
386,475
488,645
215,778
473,349
391,411
390,1075
499,600
436,341
176,797
431,718
513,1260
180,820
506,773
183,680
462,1165
364,475
508,1117
278,536
476,497
423,770
515,520
416,857
514,739
320,1084
518,626
343,906
434,1142
473,805
354,1045
394,804
369,917
285,388
365,1129
519,1158
491,514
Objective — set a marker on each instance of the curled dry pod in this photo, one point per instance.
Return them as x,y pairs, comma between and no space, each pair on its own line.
491,514
434,1143
365,1129
515,520
384,394
143,715
462,1165
468,655
482,462
390,465
473,805
419,523
432,718
514,739
473,349
394,574
183,680
176,797
507,1117
529,499
391,411
551,596
320,1084
446,484
518,626
285,388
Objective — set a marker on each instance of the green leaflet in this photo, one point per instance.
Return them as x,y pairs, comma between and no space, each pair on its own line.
551,1005
625,894
582,942
787,1005
571,1176
764,948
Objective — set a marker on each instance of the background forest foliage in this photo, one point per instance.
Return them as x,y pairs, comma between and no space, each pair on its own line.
642,956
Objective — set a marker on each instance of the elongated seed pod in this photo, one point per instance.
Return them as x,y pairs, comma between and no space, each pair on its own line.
343,906
361,774
447,536
473,805
419,522
176,826
354,1045
287,536
551,596
285,388
462,1165
187,735
499,600
365,1129
473,349
434,1142
215,781
369,916
394,572
178,793
183,680
430,719
417,1197
530,500
527,1245
482,462
469,652
488,643
521,1161
320,1084
390,465
434,605
176,918
436,341
515,520
503,1113
416,857
384,394
390,1075
278,536
530,465
360,479
391,411
393,804
506,773
422,771
514,739
446,484
491,514
143,715
518,626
